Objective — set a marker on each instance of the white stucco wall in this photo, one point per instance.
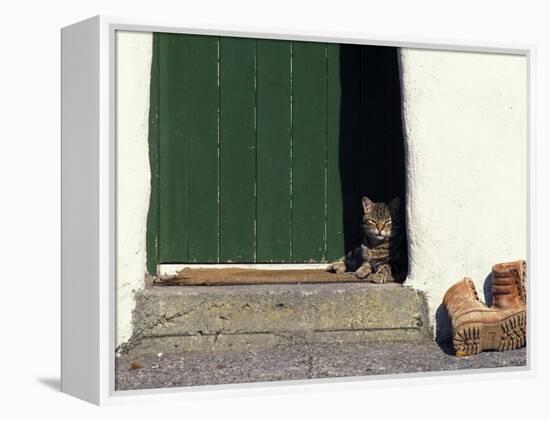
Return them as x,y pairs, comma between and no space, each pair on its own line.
465,128
465,122
133,69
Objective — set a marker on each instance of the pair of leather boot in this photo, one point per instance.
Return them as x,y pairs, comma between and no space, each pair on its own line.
500,327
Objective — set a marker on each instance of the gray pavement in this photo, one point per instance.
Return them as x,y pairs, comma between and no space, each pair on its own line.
299,362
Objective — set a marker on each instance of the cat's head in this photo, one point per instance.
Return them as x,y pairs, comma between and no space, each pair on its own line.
380,220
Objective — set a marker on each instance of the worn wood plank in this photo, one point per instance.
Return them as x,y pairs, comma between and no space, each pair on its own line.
235,276
273,153
237,149
173,148
309,151
154,133
334,222
202,97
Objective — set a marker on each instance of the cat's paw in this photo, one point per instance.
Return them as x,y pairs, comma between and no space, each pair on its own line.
337,267
379,278
363,272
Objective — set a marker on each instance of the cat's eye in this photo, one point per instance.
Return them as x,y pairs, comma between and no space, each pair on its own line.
370,221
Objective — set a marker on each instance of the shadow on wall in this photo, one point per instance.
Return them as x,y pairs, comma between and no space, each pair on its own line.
443,330
487,289
52,383
372,150
443,327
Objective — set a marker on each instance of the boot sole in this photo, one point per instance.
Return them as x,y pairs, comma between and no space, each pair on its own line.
505,335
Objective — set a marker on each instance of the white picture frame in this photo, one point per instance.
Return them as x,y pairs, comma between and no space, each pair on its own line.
89,197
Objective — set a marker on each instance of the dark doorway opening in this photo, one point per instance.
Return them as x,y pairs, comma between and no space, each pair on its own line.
260,150
371,150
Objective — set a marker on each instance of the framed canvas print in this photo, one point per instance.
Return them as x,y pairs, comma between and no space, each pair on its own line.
244,208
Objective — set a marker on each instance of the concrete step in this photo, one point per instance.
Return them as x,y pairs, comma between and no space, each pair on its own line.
251,317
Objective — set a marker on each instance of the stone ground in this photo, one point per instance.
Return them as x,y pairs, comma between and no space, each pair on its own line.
300,362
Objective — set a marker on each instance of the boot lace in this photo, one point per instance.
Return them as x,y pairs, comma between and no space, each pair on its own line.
520,285
473,288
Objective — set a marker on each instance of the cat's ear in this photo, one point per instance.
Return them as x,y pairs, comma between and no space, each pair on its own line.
367,204
394,204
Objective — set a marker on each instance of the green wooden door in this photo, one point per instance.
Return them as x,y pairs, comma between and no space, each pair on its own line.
244,147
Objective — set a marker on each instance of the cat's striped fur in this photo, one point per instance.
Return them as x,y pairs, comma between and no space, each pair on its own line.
380,258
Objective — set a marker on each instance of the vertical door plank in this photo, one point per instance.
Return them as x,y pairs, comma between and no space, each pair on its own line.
202,97
335,226
154,132
173,148
237,149
273,154
309,151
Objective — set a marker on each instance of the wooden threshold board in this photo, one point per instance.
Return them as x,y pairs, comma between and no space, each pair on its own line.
239,276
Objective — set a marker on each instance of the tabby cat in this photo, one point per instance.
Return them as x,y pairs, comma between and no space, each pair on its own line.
380,258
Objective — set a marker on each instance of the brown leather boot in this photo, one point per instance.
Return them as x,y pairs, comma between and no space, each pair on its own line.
508,286
478,328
